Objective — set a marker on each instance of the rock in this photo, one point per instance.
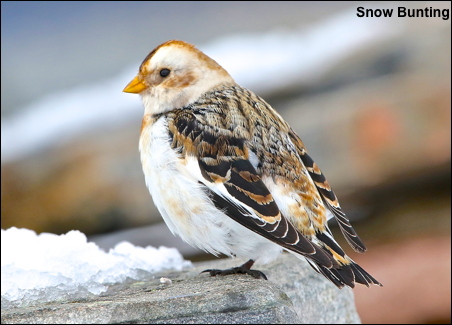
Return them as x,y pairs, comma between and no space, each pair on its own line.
293,294
315,299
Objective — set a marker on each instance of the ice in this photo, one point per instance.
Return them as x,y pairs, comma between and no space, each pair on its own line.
52,267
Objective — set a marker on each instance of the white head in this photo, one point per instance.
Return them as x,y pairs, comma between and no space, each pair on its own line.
174,75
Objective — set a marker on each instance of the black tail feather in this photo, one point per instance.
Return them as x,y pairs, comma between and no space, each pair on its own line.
346,275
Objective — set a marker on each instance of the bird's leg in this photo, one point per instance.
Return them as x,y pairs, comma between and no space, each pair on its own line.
242,269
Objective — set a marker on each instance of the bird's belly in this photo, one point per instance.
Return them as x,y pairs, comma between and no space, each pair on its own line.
186,207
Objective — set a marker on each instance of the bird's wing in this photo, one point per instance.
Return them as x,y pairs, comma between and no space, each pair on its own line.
327,195
220,161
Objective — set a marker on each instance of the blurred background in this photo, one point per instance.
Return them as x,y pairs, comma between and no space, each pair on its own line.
370,97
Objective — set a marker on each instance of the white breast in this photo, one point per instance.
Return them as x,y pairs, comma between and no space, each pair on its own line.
187,209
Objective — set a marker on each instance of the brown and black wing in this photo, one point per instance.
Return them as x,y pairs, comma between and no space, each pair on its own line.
234,185
328,195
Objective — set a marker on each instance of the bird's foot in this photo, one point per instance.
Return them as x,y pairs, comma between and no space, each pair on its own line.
242,269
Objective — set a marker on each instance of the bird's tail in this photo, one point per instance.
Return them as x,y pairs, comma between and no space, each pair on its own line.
344,272
346,275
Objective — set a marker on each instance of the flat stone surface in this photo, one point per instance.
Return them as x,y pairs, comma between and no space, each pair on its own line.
293,294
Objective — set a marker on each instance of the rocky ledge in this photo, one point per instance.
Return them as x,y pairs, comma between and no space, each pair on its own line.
293,294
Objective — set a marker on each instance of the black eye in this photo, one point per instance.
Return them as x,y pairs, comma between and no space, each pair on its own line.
165,72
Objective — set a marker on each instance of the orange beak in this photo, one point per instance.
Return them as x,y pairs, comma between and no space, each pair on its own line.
136,86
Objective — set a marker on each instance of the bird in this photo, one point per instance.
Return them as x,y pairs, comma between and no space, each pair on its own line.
229,175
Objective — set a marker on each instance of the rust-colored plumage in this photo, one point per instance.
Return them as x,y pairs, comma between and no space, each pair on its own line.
240,177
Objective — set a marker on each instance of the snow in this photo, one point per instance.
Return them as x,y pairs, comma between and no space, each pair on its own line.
259,61
52,267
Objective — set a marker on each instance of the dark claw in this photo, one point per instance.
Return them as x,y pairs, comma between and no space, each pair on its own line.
243,269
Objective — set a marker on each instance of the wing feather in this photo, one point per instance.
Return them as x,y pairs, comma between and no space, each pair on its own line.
235,187
228,154
328,196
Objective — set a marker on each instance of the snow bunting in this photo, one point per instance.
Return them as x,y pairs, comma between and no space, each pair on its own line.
228,174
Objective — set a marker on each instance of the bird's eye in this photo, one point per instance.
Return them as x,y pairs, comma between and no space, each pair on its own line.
164,72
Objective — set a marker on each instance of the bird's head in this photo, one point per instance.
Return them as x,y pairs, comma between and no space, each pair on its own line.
174,75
